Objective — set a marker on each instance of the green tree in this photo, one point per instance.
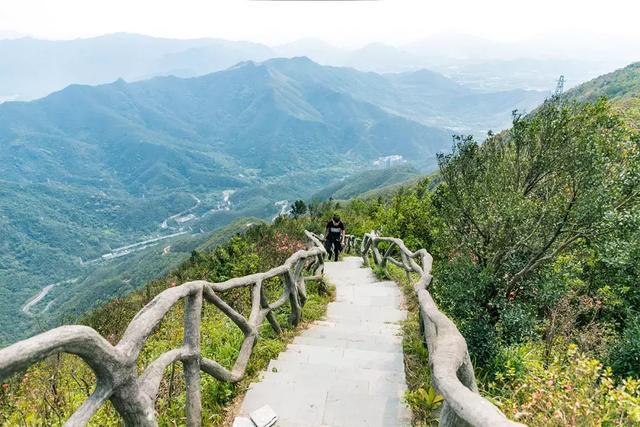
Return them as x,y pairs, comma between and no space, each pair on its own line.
529,194
560,182
299,208
410,216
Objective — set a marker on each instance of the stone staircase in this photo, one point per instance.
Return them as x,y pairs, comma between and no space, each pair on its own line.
347,370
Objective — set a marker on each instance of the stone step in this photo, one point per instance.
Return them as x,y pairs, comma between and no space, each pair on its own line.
337,407
292,368
340,327
337,357
355,342
346,370
371,382
345,409
358,332
380,314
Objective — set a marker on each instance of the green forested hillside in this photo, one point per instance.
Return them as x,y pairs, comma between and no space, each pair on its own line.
91,169
621,87
363,182
85,286
94,172
535,238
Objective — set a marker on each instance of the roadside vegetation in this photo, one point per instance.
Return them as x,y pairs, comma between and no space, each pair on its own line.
535,236
49,392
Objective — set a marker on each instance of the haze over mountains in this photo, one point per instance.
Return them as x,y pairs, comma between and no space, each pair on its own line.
33,68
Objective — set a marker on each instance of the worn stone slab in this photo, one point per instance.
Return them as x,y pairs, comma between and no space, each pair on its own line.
340,310
352,326
346,370
303,403
355,410
352,341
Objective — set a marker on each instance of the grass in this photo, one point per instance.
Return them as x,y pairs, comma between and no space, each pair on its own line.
421,397
50,391
380,273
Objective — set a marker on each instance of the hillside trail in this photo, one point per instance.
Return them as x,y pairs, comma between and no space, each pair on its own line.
345,370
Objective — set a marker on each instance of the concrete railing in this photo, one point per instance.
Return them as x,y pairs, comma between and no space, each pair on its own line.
115,367
451,369
351,243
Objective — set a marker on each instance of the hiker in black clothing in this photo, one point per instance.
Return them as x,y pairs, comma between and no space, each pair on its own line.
334,236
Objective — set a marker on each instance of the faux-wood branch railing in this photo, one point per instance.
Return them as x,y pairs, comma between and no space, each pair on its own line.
350,243
115,367
451,369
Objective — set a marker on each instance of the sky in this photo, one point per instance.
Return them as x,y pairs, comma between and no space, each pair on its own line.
342,23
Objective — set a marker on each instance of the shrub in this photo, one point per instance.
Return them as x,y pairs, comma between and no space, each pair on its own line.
572,390
464,291
625,354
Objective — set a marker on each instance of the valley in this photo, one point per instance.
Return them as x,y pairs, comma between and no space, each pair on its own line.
97,178
169,170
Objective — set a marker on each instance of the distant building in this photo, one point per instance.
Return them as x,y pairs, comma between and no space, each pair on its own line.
388,161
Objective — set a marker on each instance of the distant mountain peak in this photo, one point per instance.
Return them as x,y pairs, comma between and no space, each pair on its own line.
243,64
298,60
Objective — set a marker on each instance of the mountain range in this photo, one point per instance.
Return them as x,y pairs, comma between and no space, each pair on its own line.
105,186
32,68
93,174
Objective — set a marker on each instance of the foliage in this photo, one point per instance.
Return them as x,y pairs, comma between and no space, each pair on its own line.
625,353
536,242
425,402
571,390
621,87
410,216
48,392
298,208
550,186
526,196
380,273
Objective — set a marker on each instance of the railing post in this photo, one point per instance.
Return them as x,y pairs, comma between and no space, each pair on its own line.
290,283
116,367
273,321
364,250
192,317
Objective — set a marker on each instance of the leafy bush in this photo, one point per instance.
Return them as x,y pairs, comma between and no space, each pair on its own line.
50,391
464,290
572,390
625,354
424,403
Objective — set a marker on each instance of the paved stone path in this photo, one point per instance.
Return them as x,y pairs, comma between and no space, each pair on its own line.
346,370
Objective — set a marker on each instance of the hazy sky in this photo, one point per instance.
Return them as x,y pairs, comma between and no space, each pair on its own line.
344,23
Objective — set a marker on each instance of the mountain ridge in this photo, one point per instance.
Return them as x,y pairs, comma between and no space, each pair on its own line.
102,167
621,87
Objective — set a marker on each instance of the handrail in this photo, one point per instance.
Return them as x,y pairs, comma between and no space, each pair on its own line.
351,243
451,369
115,367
